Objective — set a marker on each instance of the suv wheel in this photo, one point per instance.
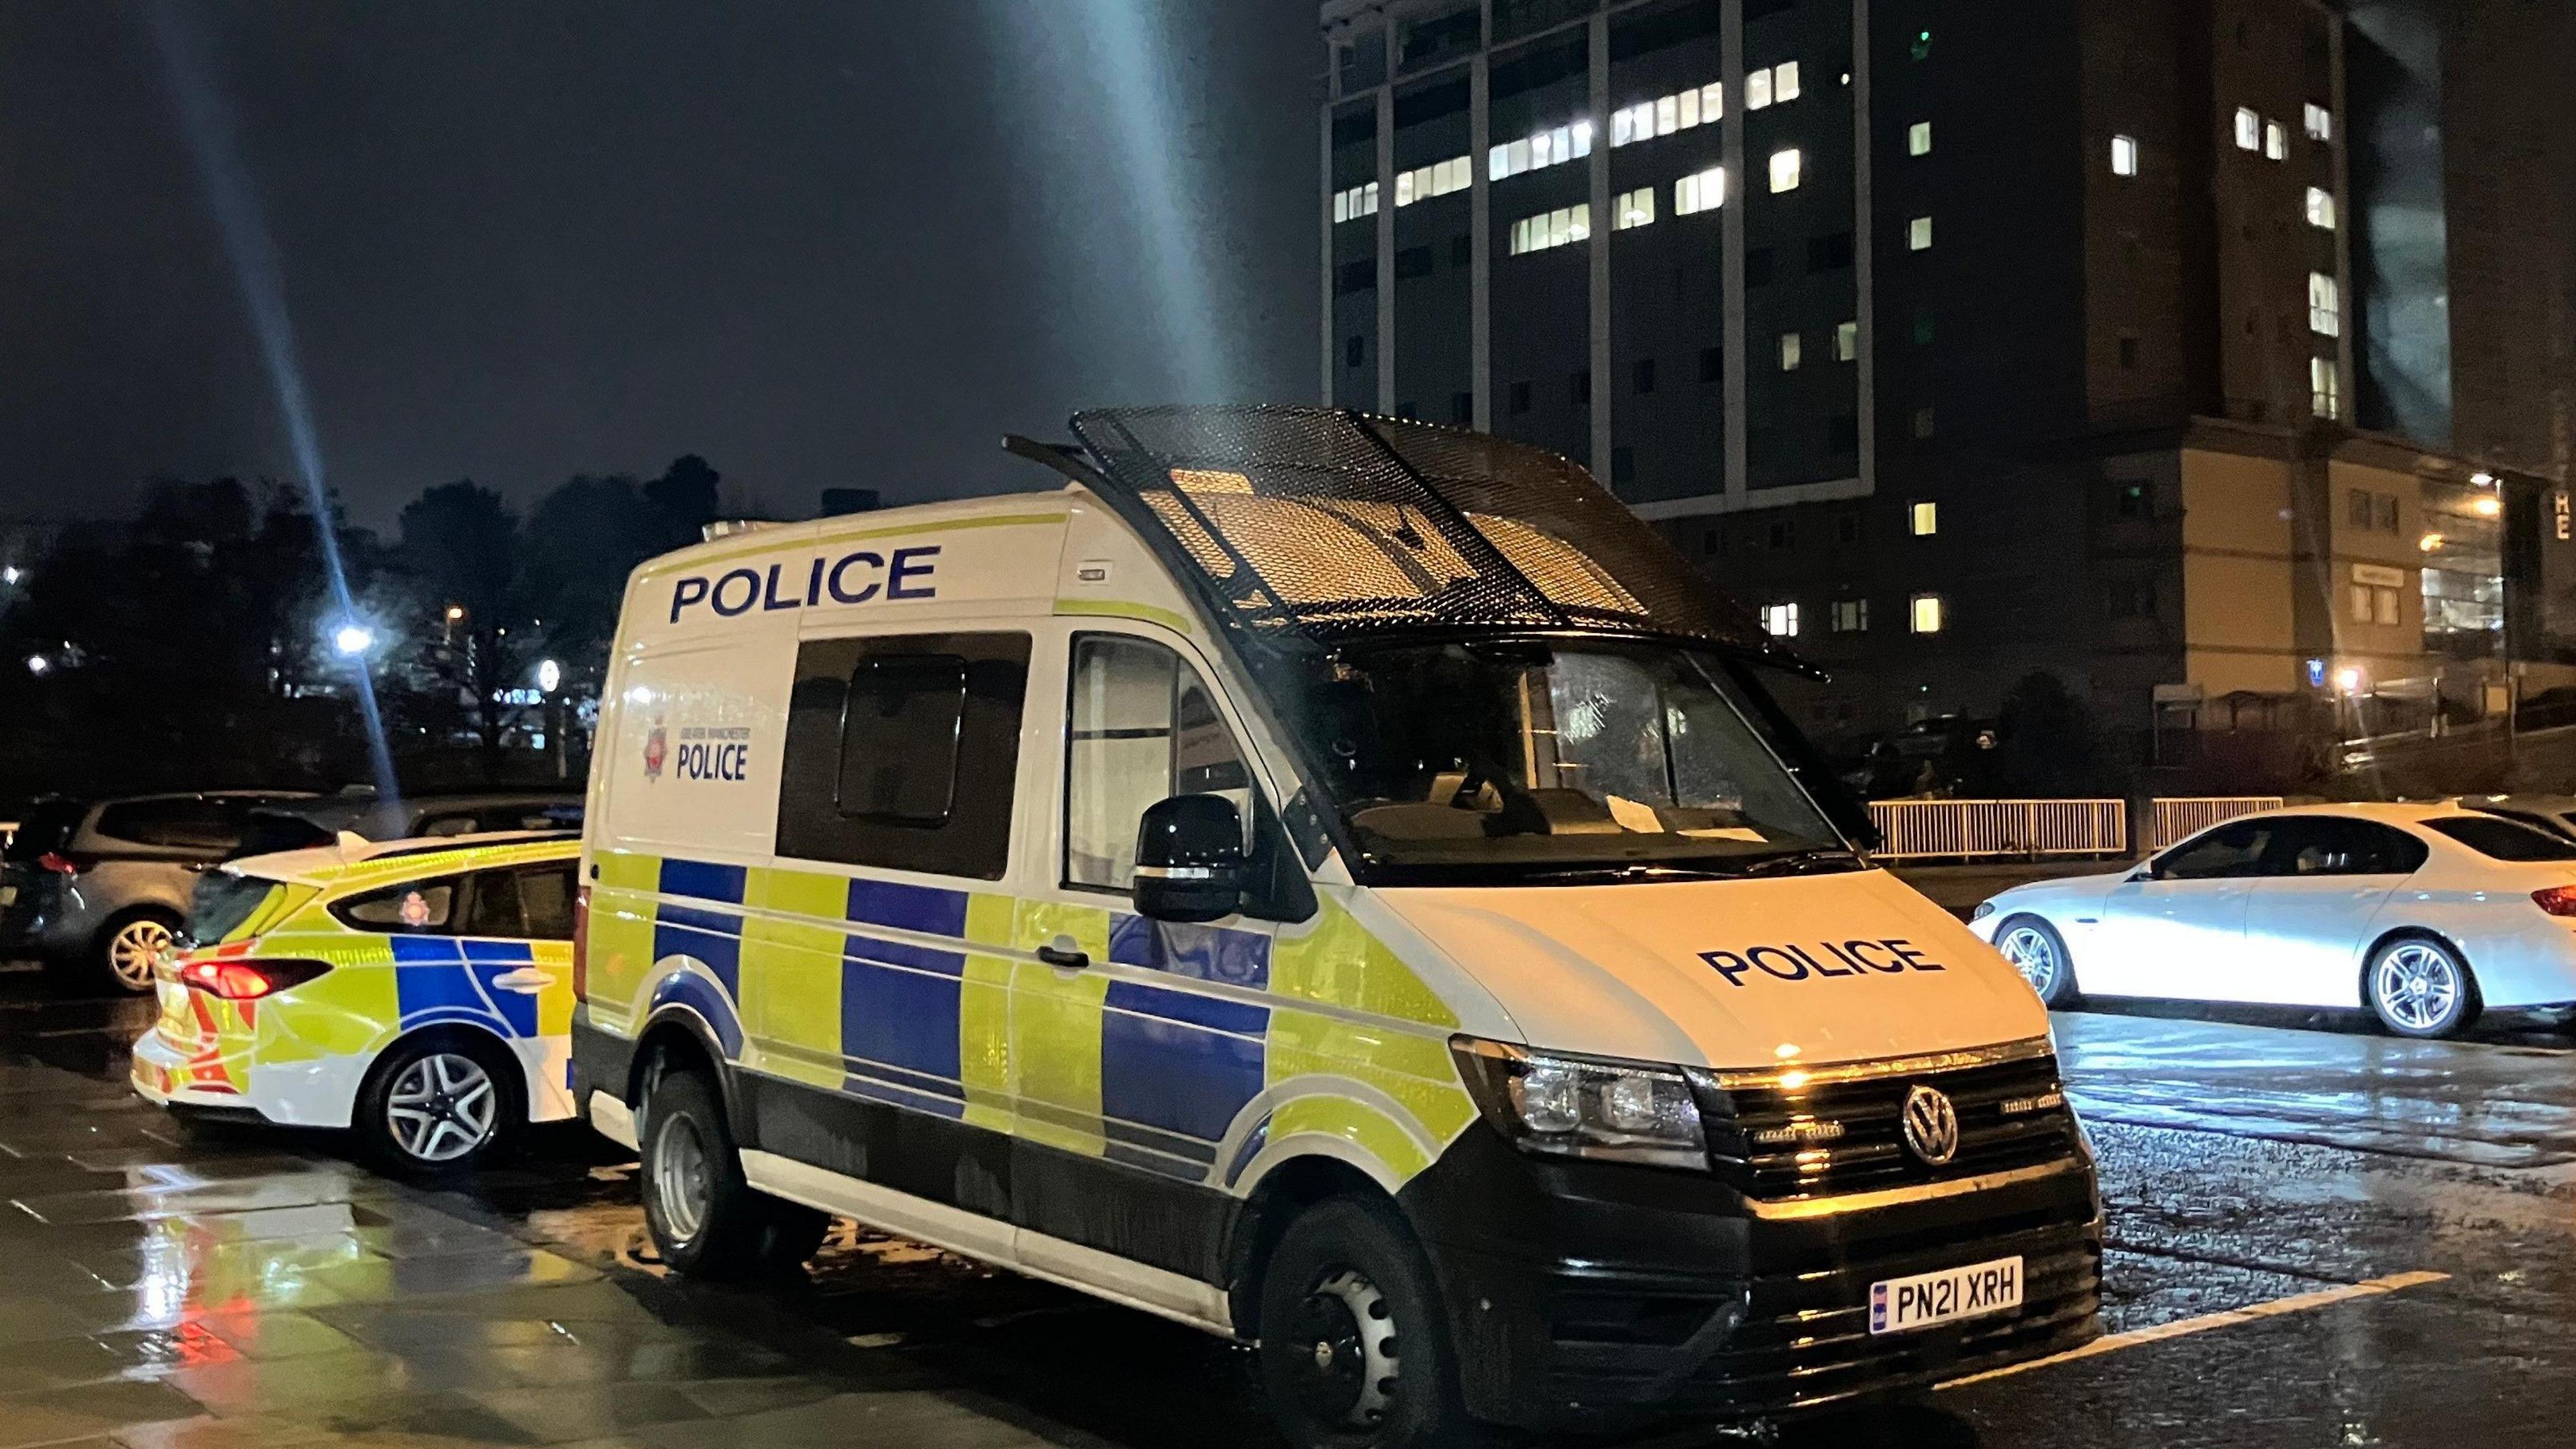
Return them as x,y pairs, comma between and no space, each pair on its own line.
129,947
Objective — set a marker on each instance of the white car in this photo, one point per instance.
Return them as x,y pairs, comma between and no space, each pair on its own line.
2424,914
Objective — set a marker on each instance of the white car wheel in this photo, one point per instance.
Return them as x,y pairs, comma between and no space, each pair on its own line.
2035,950
2421,988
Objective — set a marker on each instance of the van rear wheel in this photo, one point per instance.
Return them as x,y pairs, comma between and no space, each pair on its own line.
1354,1352
706,1220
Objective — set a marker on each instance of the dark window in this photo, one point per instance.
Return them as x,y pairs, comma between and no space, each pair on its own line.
1354,351
1842,433
1713,541
2332,845
902,750
2233,849
1847,528
1712,363
189,823
1783,536
1829,253
1922,329
492,905
2504,839
2135,501
1579,387
1405,410
1757,267
1462,250
2388,513
1645,374
1422,41
1412,262
1623,465
420,907
2128,352
1356,276
2129,598
1462,408
545,896
2357,510
1520,397
1923,45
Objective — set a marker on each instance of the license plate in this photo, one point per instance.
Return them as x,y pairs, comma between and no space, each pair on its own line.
1901,1305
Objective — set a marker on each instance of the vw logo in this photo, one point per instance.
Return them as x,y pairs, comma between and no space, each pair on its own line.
1931,1126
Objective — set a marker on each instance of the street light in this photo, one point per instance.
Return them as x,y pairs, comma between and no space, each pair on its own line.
38,664
455,612
549,676
354,639
12,574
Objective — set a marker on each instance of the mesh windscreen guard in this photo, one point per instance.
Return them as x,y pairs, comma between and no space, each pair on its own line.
1324,523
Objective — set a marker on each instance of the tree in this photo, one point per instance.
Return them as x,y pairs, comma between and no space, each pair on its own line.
684,502
581,541
460,548
2047,748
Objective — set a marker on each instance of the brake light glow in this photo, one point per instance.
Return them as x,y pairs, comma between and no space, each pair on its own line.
58,863
239,980
2556,900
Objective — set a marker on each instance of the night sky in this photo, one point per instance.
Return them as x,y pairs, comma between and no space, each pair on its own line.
827,244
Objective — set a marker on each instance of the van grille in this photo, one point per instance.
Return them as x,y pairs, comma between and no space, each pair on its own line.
1839,1136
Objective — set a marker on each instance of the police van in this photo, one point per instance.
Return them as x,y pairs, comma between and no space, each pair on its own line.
1339,883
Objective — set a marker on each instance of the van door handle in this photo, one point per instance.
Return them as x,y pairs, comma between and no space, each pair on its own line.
1064,958
527,979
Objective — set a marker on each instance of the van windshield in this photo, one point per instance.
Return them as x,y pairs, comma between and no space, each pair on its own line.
1504,760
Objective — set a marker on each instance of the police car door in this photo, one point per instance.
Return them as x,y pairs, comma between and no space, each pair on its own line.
1136,1041
2176,927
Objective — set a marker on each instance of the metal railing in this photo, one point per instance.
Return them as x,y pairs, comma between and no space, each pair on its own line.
2179,817
1967,829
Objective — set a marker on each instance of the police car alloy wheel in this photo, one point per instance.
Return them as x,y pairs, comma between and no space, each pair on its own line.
1353,1351
131,950
2421,988
2033,948
443,1107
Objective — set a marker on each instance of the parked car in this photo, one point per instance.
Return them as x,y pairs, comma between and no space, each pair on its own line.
104,882
364,813
2553,813
418,991
2423,914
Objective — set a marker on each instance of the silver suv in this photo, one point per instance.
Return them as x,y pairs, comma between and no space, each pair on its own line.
104,883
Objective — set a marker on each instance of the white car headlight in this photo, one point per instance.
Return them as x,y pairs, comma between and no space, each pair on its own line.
1983,910
1570,1106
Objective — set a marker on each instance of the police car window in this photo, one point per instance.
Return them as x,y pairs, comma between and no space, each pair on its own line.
414,907
903,750
545,898
2229,851
1141,726
2504,839
492,905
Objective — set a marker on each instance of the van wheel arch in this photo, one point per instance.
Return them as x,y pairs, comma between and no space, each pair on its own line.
1284,1192
673,1042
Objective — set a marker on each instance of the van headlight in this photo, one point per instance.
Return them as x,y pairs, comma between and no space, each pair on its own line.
1569,1106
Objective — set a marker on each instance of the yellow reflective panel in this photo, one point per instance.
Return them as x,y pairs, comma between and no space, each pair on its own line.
1335,960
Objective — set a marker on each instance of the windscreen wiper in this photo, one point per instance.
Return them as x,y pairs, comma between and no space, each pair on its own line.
1818,860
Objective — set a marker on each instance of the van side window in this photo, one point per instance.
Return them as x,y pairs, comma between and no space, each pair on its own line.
902,752
1142,726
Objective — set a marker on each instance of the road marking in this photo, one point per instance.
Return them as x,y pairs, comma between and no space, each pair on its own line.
2182,1327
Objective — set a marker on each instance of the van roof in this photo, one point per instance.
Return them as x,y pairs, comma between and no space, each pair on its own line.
910,518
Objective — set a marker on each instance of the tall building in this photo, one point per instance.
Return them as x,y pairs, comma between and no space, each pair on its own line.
1967,340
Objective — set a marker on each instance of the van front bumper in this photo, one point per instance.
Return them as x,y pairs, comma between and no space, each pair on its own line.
1595,1295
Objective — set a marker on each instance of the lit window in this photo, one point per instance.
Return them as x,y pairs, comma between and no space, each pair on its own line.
1635,208
1780,621
1918,139
2320,123
2325,305
2325,388
1792,351
2321,208
1702,191
2124,155
1847,342
1686,109
1918,234
2276,141
1926,614
1785,166
1565,225
1519,152
1404,184
1924,519
1355,203
2249,130
2361,603
1757,90
1712,101
1851,616
1784,81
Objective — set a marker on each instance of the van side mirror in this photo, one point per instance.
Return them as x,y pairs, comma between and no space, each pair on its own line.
1190,862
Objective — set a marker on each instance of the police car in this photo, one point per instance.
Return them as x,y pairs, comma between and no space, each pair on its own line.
1338,883
417,991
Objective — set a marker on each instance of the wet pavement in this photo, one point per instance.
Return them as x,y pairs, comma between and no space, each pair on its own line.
169,1285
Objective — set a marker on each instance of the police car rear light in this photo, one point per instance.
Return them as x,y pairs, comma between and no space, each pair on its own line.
2556,900
248,980
581,945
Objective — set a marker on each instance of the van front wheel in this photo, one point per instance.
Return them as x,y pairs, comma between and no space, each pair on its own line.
1354,1353
706,1221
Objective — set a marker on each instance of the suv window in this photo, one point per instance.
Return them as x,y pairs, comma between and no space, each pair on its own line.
902,752
189,823
2504,839
2316,845
1141,726
2233,849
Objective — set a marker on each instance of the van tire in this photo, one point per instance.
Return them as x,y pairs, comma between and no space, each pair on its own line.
446,1063
705,1219
1345,1292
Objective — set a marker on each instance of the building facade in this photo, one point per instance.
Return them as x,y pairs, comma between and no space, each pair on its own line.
1962,341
